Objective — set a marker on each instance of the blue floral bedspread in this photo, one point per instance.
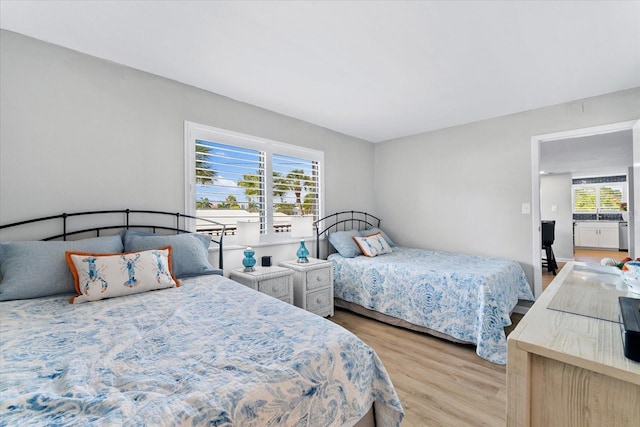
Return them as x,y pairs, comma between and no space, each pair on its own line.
464,296
212,352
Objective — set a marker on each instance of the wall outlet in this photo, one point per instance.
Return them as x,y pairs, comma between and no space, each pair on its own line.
554,208
526,208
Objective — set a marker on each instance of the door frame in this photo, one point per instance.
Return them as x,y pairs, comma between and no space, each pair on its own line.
535,184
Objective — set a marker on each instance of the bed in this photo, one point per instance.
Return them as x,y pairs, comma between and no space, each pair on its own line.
463,298
209,351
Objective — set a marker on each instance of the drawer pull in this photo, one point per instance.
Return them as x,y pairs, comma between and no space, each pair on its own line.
318,301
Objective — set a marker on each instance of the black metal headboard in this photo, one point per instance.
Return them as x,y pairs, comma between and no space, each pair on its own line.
177,224
343,221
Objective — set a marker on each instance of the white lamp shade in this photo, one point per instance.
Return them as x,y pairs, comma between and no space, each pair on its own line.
301,226
247,233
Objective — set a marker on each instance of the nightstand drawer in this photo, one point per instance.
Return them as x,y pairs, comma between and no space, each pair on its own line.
316,301
277,288
319,278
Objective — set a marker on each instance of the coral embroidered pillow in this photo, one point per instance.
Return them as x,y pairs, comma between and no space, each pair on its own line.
374,230
190,251
373,245
100,276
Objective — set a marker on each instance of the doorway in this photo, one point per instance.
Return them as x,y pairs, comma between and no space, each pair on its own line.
633,130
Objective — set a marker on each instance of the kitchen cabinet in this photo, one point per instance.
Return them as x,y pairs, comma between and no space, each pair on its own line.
596,235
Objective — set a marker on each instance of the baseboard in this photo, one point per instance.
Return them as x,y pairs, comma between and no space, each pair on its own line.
522,307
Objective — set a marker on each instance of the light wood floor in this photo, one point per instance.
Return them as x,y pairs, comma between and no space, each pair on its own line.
439,383
583,255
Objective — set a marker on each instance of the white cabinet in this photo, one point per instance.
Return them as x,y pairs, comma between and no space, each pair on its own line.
274,281
313,285
596,235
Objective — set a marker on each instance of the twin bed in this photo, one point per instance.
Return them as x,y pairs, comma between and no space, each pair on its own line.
209,351
462,298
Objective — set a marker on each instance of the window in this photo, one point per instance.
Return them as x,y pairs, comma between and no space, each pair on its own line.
596,195
238,178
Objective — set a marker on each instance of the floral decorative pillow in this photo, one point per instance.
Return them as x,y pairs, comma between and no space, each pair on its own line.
100,276
373,245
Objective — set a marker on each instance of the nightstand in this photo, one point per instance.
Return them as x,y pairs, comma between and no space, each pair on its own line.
312,285
274,281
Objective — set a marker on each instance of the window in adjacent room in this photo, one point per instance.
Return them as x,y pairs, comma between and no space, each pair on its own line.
601,195
234,178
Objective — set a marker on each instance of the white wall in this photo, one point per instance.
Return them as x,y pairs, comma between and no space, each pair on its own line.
81,133
468,182
555,190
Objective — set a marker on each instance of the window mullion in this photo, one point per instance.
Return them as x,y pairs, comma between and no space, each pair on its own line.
267,211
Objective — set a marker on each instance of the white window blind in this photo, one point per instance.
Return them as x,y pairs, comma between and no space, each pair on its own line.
236,177
229,180
584,199
295,189
610,198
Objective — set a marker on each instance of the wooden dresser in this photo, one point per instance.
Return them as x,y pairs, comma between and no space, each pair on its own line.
566,366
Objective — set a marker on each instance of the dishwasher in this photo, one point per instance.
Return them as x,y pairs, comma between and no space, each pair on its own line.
623,235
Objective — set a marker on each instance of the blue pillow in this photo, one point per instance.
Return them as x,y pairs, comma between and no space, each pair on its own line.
34,269
374,230
343,242
190,251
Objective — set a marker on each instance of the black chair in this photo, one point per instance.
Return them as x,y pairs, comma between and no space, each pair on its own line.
548,237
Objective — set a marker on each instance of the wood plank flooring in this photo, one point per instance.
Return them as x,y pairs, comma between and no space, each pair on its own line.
439,383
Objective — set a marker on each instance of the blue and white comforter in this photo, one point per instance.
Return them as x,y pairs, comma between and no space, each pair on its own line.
211,352
464,296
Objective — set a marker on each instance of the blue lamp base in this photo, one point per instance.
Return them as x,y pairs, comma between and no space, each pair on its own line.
302,253
249,261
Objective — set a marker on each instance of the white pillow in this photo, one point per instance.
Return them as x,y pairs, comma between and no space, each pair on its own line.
100,276
373,245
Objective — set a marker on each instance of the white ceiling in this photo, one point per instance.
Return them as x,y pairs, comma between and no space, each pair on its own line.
376,70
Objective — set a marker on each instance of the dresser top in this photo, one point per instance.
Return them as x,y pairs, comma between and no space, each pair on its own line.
567,325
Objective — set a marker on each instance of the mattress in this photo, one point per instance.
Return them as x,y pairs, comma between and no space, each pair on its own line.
468,298
209,352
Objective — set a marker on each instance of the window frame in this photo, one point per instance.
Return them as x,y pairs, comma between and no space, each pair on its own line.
195,131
